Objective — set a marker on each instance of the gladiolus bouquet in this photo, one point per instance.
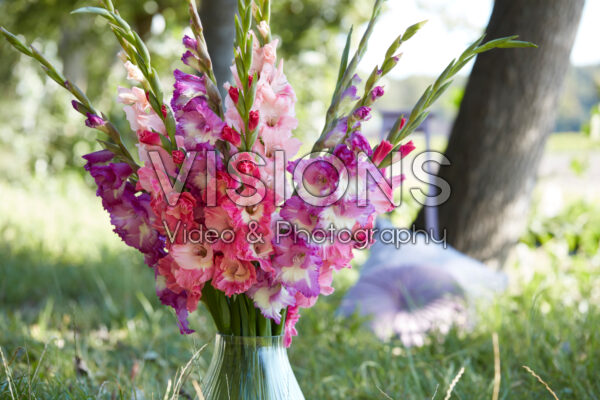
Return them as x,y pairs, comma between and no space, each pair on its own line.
208,200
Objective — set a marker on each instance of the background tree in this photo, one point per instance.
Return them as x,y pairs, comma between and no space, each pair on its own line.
504,120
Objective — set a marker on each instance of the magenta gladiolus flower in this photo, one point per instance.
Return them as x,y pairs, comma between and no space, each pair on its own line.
363,113
358,143
377,92
382,151
94,121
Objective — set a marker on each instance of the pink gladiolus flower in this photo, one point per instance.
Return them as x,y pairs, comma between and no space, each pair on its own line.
297,211
271,299
253,120
407,148
178,156
320,177
197,256
298,265
133,72
234,94
233,276
290,322
231,135
148,137
381,152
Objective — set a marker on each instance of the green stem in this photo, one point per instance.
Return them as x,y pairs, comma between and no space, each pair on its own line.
278,329
251,316
236,328
263,325
243,310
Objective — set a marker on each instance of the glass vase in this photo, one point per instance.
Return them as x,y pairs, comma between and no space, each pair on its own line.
250,368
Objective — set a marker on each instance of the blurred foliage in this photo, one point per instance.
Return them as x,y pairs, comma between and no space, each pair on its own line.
579,96
39,133
578,226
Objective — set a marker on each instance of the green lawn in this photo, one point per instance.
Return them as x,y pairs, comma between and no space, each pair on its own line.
68,288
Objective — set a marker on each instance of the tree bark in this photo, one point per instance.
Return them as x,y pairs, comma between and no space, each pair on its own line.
504,120
219,31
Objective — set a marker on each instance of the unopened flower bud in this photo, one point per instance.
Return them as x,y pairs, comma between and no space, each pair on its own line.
178,156
234,93
94,121
377,92
264,29
363,113
231,135
253,120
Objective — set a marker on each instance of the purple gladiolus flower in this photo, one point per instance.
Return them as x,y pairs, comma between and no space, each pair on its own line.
377,92
347,156
129,214
187,87
94,121
358,143
363,113
191,60
298,264
198,123
179,303
190,43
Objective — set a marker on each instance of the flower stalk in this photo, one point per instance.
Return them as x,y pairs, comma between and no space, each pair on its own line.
138,54
83,105
405,126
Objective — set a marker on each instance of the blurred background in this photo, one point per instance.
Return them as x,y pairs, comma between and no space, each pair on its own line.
78,314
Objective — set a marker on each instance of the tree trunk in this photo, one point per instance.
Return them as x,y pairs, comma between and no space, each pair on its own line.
504,120
219,31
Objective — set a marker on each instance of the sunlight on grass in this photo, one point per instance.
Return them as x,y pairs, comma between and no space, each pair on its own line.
59,217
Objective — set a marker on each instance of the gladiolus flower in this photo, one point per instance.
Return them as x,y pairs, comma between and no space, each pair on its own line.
233,276
363,113
377,92
234,93
178,156
407,148
253,120
231,135
382,151
149,137
94,121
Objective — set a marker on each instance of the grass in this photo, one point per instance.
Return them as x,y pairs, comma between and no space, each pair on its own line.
69,290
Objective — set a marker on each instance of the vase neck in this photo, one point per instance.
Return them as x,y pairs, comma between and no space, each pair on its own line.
250,368
252,341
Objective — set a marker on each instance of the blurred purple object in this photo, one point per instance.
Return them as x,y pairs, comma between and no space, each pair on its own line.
419,288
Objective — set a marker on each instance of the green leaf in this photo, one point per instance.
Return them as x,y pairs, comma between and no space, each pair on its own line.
344,60
241,302
411,30
251,316
516,44
96,11
15,42
492,44
165,142
439,92
278,329
421,103
110,146
142,49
